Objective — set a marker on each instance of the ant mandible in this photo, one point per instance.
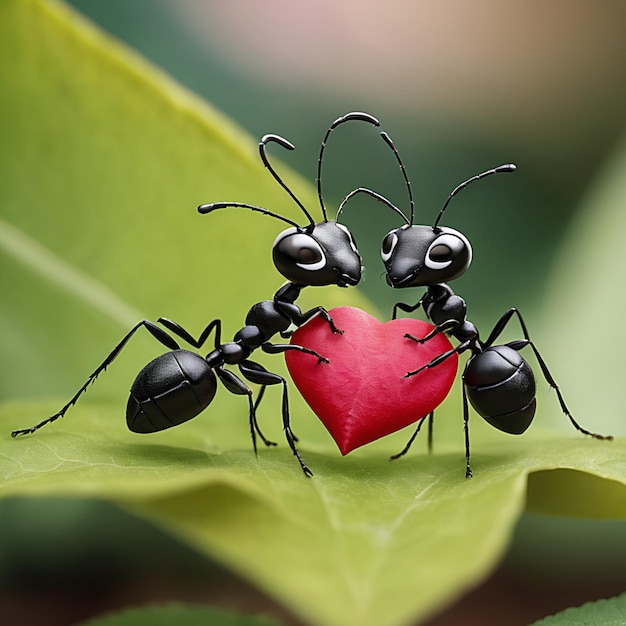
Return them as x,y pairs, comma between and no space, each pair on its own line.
178,385
497,380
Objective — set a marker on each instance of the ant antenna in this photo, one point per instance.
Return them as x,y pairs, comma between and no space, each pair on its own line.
387,140
355,115
208,208
289,146
374,195
509,167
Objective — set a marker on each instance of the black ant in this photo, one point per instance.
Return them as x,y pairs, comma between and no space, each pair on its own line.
178,385
497,380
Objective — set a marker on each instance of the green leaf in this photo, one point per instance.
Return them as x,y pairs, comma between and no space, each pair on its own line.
179,615
103,161
611,612
348,546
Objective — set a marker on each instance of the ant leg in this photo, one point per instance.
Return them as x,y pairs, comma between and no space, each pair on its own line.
258,374
159,334
501,324
284,301
441,328
431,423
277,348
499,327
179,331
236,386
440,358
323,313
299,318
468,469
414,435
407,308
257,402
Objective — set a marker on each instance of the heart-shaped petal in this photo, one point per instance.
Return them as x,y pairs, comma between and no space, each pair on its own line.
362,394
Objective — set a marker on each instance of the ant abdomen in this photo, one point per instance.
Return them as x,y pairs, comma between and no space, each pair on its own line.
500,386
172,389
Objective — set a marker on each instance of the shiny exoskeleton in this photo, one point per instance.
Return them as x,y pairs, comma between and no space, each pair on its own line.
498,382
178,385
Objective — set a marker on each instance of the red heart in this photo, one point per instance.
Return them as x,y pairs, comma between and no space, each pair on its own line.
362,395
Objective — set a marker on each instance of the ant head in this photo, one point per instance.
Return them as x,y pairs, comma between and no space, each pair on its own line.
323,254
420,256
317,254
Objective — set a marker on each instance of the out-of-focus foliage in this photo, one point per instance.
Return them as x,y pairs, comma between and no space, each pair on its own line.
460,89
180,615
610,612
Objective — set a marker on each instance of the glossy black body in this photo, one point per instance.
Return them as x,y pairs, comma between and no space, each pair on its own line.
178,385
500,385
172,389
497,380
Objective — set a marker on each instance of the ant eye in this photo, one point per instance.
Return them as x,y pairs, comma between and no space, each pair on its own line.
443,251
440,253
389,243
303,250
309,255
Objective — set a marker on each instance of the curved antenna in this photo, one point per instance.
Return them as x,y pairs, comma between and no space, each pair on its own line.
355,115
387,140
508,167
289,146
214,206
374,195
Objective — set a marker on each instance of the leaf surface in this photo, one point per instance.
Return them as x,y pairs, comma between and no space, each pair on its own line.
103,162
349,546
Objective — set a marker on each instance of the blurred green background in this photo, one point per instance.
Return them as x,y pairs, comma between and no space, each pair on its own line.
460,87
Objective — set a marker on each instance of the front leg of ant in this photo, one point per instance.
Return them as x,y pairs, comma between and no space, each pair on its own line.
303,317
299,318
285,298
325,315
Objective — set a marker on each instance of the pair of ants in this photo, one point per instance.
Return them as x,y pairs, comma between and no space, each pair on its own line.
178,385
